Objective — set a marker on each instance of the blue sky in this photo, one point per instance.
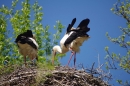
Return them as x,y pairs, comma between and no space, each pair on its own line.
102,20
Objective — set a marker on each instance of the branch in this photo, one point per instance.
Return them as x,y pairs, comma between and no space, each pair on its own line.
124,15
112,66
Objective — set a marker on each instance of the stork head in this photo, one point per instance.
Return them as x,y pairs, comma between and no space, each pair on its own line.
55,49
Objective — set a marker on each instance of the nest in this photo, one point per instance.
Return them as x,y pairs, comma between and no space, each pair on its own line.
20,77
61,76
66,76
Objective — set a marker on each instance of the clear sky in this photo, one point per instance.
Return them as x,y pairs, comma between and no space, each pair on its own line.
102,20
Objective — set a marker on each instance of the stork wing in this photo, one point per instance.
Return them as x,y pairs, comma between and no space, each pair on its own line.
78,36
32,43
71,25
84,25
28,33
19,37
71,37
79,32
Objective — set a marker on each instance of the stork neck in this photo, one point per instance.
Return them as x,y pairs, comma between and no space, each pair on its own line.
57,48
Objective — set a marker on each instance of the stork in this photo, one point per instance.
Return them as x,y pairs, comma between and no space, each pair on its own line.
27,45
73,39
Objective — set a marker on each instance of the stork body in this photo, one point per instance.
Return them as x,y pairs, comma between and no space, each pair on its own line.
75,46
27,45
62,48
78,36
73,39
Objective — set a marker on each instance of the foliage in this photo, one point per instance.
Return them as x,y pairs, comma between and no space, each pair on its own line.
14,21
121,9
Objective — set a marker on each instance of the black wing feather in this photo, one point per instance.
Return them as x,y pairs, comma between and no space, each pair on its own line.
30,42
24,38
71,25
72,37
26,34
19,37
79,32
83,26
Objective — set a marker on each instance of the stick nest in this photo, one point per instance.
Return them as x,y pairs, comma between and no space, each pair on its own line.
61,76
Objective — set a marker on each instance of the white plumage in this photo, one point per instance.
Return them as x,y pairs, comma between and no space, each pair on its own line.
73,46
73,39
27,45
27,50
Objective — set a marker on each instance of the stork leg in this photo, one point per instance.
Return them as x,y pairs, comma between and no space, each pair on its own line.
25,61
74,58
33,62
37,57
70,57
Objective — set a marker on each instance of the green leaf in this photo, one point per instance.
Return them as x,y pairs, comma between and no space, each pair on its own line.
128,52
114,55
112,9
106,48
128,43
119,81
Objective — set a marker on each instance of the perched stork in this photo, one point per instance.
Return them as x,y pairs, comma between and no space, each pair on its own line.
63,49
27,45
73,39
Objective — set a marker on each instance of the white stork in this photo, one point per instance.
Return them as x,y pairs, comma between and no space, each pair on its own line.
73,39
27,45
